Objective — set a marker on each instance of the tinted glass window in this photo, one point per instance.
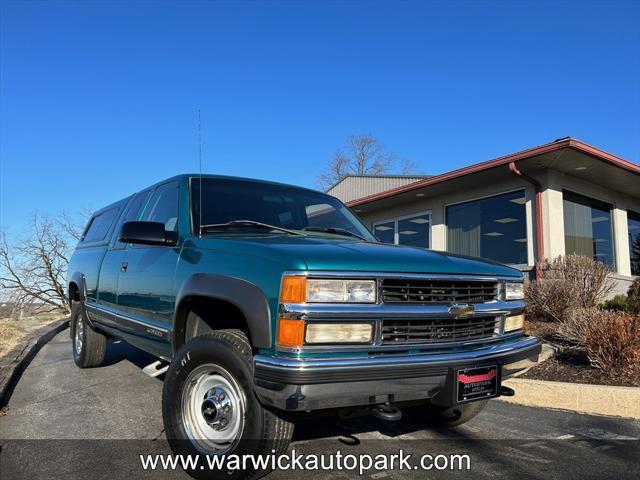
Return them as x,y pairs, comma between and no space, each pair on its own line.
133,212
293,208
321,215
99,226
163,206
414,231
587,227
385,232
493,228
633,221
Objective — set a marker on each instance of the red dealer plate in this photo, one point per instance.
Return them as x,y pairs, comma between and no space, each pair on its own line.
477,383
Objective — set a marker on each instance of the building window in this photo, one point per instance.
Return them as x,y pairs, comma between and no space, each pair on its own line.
587,227
633,222
493,227
385,232
413,230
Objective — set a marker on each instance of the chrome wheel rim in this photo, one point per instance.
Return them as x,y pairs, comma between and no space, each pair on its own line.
79,335
213,409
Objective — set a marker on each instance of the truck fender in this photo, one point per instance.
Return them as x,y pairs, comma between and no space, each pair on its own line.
246,296
78,279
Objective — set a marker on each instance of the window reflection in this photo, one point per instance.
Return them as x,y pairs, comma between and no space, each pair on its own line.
413,230
493,227
385,232
633,222
587,227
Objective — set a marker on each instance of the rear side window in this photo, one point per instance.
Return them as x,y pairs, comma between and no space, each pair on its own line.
163,206
99,226
132,214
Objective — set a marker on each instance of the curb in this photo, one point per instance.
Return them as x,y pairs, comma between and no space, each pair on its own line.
577,397
15,362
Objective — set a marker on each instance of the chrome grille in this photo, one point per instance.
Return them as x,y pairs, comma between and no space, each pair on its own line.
402,332
438,291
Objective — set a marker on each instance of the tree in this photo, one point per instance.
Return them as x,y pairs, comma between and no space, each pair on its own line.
361,155
33,269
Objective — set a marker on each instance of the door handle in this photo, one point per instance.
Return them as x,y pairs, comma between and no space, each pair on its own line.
123,267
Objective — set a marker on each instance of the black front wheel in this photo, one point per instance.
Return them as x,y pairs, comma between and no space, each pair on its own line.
209,406
89,345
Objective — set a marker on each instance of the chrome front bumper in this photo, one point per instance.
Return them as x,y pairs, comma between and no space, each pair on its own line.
311,384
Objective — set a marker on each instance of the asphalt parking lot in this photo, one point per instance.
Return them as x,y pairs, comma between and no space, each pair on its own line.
88,423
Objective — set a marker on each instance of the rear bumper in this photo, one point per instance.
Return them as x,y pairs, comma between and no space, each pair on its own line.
311,384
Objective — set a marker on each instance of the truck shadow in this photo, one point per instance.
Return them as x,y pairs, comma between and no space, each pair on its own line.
118,351
328,425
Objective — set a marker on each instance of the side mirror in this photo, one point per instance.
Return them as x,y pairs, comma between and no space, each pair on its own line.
147,233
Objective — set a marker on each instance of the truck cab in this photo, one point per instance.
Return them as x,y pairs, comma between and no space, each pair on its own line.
260,299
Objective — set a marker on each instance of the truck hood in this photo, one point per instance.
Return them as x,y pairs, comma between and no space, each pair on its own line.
323,253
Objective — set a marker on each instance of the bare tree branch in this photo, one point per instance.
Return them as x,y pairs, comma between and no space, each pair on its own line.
362,155
33,268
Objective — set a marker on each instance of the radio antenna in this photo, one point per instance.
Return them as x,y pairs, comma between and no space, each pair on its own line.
200,180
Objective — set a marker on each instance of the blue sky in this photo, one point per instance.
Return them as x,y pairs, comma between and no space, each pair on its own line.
99,99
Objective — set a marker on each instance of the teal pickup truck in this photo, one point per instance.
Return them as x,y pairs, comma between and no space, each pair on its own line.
260,299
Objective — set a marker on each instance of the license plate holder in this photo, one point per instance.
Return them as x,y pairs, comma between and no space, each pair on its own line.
477,383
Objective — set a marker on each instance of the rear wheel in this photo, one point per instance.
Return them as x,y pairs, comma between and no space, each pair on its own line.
209,406
457,415
89,345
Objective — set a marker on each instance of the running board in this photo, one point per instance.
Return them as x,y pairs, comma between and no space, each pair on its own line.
156,368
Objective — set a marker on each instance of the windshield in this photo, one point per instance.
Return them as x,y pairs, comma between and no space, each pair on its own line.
227,200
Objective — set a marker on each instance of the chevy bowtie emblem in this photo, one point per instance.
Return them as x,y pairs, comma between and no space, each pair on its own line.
461,310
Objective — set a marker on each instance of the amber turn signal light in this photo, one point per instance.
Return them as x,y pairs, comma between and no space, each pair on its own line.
290,332
294,289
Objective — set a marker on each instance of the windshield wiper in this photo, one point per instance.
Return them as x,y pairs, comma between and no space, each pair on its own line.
336,231
247,223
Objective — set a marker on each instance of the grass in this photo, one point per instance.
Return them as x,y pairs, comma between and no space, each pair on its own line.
12,330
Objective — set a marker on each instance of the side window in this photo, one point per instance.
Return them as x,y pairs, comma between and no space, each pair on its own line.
163,206
99,226
132,213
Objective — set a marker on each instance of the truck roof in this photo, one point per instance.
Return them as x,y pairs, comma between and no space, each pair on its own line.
183,176
230,177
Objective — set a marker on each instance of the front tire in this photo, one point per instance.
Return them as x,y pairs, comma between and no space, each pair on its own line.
209,405
89,346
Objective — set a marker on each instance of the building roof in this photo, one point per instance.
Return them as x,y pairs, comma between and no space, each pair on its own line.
560,144
352,187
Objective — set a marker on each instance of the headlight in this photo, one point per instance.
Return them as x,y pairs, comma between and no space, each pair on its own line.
514,291
299,289
339,333
341,291
513,322
297,333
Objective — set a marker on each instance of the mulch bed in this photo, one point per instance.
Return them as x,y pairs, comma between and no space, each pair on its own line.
568,364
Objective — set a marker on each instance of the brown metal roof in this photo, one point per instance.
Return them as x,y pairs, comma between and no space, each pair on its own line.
567,142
